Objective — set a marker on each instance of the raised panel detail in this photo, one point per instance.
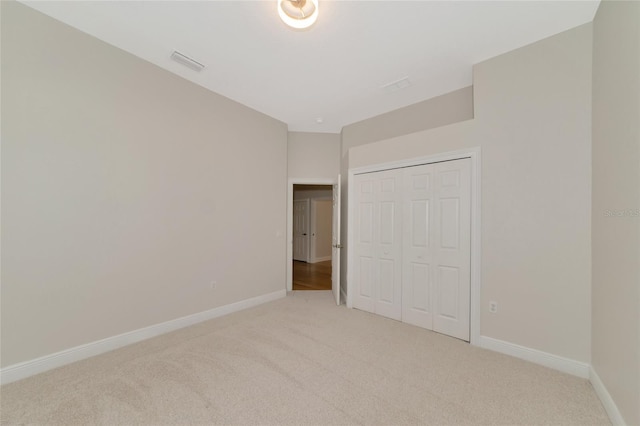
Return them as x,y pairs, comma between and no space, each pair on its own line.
366,276
386,283
420,182
448,290
366,223
450,179
387,217
419,282
388,185
420,223
449,223
366,187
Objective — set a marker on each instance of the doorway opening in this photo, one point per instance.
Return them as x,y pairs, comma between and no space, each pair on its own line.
312,237
336,245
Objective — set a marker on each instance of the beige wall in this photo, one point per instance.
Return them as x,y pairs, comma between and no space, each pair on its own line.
449,108
313,155
124,192
616,203
533,124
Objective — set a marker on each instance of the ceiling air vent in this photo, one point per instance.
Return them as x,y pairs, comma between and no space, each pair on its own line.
397,85
187,61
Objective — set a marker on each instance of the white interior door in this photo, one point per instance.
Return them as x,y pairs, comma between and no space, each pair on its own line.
452,248
387,234
436,250
417,246
364,258
378,240
412,238
301,230
335,243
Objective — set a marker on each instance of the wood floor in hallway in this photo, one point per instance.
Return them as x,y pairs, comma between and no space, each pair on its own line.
312,276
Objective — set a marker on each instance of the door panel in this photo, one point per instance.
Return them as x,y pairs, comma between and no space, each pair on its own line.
366,223
385,275
419,223
453,254
448,292
388,238
378,273
449,223
301,230
336,246
386,223
366,277
417,253
363,275
388,184
419,298
449,178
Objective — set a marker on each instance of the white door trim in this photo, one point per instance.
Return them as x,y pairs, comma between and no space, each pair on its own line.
290,183
476,243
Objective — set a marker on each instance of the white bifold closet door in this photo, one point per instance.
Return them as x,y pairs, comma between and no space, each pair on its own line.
436,247
413,236
379,243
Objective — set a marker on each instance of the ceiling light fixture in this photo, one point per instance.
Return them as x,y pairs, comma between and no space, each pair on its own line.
298,13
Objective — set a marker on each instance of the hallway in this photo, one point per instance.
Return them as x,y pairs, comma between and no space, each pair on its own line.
312,276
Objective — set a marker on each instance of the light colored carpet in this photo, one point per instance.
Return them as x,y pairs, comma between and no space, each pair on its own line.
302,360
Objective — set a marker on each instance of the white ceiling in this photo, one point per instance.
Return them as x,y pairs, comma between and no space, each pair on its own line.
336,69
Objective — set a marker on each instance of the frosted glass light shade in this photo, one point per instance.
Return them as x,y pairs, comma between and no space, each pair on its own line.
298,13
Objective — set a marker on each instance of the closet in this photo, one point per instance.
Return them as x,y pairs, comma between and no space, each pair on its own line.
412,246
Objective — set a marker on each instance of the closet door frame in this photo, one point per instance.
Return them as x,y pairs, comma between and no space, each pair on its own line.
476,248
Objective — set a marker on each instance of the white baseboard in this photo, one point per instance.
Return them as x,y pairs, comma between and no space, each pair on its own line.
320,259
608,403
566,365
25,369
